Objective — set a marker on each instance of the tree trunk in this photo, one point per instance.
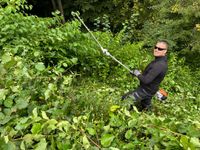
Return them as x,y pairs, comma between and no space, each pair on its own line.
54,4
61,9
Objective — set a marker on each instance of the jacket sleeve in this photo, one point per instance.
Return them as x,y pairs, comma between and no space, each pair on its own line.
151,75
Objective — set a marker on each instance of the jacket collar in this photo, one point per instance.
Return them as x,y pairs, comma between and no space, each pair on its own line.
164,58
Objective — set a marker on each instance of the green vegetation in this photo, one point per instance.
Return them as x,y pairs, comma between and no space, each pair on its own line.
57,91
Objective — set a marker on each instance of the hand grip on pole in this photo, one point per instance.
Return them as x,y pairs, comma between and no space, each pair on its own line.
105,51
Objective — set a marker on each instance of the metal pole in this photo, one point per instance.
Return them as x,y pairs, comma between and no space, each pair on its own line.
103,50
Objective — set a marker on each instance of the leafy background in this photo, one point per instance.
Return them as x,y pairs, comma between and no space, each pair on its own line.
57,91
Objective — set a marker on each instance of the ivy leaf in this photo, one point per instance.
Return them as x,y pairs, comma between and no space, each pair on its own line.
40,66
107,139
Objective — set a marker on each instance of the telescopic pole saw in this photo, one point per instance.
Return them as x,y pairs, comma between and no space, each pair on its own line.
105,51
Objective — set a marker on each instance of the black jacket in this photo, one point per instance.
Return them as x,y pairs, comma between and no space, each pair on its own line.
153,74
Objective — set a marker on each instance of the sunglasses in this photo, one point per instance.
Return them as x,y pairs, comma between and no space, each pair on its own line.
160,49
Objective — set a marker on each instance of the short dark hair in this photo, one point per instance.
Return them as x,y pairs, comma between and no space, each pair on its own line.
164,41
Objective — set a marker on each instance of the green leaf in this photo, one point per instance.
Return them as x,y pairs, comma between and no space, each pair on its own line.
44,115
37,127
8,146
114,108
51,124
22,146
35,113
132,123
2,116
156,148
195,141
184,142
107,128
128,134
52,121
36,54
6,139
6,58
64,125
22,124
86,143
91,131
74,60
7,111
115,121
128,146
107,139
3,93
113,148
47,94
15,88
8,103
28,138
51,88
67,80
10,64
5,120
65,64
40,66
42,145
21,103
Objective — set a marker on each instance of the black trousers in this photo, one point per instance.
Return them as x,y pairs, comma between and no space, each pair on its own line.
140,96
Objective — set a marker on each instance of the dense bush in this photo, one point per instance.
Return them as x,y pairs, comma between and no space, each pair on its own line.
57,91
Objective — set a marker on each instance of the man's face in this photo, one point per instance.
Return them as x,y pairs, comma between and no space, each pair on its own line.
160,49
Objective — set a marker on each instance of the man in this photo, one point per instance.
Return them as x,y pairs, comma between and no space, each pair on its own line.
151,77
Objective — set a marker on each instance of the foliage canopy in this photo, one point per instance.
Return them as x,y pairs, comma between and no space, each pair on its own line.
57,91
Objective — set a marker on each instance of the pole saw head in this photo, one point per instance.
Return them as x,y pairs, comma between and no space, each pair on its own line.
75,14
161,95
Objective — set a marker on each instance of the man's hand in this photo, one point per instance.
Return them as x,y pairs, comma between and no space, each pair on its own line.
105,51
135,72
